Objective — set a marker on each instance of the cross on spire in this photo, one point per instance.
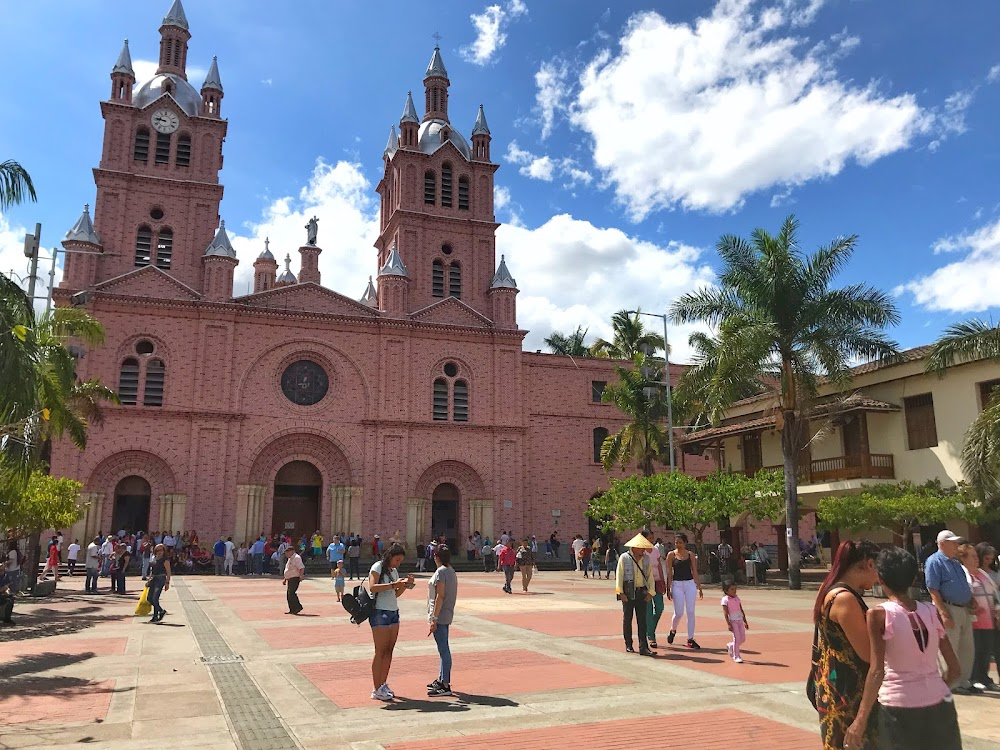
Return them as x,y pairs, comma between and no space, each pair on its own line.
437,39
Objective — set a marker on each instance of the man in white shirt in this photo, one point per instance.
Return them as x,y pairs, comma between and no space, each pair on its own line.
14,569
168,541
59,544
73,554
654,606
230,555
295,571
93,563
577,546
496,553
107,552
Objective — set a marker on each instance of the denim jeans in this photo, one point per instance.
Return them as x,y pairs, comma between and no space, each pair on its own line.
444,651
90,585
156,584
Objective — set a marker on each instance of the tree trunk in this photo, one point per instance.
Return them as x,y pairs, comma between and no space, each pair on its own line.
790,453
32,557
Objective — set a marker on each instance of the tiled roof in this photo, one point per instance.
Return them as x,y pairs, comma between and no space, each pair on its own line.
726,430
909,355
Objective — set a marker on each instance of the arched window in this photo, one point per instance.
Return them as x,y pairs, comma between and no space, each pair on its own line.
430,187
164,248
162,148
600,435
152,394
128,381
463,193
183,158
437,278
143,242
455,280
440,407
461,410
446,185
140,151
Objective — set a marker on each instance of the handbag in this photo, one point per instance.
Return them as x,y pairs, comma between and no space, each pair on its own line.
143,608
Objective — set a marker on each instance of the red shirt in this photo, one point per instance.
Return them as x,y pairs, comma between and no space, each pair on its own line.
508,556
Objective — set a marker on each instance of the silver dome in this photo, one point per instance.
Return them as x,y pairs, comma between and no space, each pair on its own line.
183,93
429,138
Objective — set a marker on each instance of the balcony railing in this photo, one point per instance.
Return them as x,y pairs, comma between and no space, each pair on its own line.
863,466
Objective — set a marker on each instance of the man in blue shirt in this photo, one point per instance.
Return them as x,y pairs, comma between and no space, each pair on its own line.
257,556
335,554
951,593
219,556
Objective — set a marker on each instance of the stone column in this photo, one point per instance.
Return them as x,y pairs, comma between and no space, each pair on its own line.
481,516
416,521
345,510
249,511
173,509
92,504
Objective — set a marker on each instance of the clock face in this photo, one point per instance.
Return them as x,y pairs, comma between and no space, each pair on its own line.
165,121
304,383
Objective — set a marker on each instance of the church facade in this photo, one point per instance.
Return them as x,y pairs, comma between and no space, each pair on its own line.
295,408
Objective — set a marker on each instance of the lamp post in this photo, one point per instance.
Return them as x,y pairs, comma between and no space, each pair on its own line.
666,372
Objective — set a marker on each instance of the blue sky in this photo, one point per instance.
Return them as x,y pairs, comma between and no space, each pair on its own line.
630,137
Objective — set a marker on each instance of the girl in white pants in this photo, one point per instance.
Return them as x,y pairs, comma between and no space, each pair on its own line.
682,584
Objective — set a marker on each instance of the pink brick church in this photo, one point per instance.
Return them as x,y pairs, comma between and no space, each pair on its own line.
297,407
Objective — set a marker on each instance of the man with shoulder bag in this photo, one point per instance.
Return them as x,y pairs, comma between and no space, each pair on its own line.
633,586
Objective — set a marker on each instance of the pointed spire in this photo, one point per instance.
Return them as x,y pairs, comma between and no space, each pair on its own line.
124,64
436,66
502,279
370,297
394,265
393,144
213,80
83,230
409,111
287,277
481,128
266,253
175,16
221,244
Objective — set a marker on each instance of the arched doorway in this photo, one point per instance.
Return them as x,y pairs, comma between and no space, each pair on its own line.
296,506
131,511
444,513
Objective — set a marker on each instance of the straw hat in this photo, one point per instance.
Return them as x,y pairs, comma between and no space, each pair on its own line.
639,542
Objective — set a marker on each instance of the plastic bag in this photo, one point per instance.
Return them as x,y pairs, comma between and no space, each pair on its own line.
143,608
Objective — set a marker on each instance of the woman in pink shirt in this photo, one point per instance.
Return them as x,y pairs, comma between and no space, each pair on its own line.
915,706
984,626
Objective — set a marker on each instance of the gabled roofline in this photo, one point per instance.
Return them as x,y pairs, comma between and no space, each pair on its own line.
455,300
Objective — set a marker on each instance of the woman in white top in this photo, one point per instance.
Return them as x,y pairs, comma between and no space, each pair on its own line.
386,586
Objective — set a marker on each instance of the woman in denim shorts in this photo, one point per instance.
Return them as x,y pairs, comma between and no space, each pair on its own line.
384,582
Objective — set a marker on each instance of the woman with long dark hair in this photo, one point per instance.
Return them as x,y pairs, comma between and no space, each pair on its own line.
683,584
442,592
843,647
386,586
159,580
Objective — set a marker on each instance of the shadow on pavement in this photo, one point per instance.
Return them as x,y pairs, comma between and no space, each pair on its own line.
42,623
461,702
32,663
68,688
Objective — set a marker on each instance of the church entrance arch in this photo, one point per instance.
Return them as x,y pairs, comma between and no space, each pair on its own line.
131,509
297,492
444,513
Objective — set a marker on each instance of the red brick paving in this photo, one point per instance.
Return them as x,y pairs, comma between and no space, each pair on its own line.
564,624
344,634
767,657
73,646
349,683
728,729
24,701
277,612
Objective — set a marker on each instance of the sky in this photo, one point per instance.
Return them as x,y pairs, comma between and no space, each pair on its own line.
630,137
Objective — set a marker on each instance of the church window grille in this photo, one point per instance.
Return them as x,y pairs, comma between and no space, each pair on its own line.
177,54
162,148
128,381
140,151
169,44
430,187
152,394
446,185
461,395
455,280
440,400
434,99
437,278
164,248
143,242
183,151
463,193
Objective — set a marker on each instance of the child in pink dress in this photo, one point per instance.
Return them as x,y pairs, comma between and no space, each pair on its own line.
736,620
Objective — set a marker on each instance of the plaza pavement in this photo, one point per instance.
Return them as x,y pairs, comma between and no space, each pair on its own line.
228,669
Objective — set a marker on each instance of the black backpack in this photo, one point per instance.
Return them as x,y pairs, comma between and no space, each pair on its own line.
360,603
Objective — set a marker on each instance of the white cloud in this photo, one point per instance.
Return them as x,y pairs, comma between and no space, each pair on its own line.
491,34
701,115
966,285
542,168
545,167
146,69
551,80
994,75
501,197
950,117
14,264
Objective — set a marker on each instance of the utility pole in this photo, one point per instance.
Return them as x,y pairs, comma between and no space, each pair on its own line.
31,245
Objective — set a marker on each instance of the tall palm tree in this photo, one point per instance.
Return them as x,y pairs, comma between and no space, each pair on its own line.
779,320
645,437
630,338
966,341
571,344
15,184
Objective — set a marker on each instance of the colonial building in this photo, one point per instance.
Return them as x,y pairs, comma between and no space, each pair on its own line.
296,407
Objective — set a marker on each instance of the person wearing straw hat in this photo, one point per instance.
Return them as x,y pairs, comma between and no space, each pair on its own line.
633,580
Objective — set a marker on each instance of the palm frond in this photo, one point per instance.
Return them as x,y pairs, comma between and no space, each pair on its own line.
15,185
969,340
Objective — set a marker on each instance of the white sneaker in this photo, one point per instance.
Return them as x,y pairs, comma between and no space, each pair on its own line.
381,695
388,690
738,660
729,648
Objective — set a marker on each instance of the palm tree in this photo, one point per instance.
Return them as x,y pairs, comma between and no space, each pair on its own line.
645,437
571,344
630,338
779,321
971,340
15,184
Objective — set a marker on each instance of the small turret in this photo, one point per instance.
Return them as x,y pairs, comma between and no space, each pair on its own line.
409,124
264,269
219,264
503,294
122,77
174,38
211,92
481,137
83,248
436,85
394,285
392,145
287,278
370,297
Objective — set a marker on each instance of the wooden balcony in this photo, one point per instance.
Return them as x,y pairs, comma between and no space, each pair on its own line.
862,466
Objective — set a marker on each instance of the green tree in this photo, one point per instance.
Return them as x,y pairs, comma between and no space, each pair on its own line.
630,338
779,321
15,184
572,344
964,342
645,437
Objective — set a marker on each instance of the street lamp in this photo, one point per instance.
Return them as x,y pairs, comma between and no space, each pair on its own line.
666,372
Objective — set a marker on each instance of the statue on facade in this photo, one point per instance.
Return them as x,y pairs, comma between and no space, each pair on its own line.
312,230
